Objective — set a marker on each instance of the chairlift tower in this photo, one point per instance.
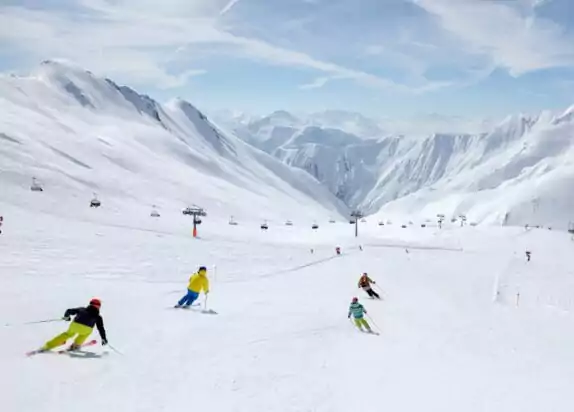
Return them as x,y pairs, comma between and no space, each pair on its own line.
358,216
95,202
196,212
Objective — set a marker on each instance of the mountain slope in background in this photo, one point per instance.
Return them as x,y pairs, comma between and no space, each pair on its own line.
517,173
80,134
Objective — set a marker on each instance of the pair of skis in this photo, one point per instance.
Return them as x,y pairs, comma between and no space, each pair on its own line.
63,351
193,308
371,332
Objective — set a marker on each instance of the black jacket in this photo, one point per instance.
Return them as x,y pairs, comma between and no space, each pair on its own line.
88,316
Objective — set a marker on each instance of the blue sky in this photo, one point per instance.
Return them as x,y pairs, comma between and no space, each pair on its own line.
384,58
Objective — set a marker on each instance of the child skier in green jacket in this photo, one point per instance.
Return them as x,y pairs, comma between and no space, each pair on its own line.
358,311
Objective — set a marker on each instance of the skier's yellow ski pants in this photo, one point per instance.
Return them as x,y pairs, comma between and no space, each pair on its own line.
360,322
82,331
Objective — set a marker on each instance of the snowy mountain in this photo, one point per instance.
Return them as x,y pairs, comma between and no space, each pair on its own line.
493,177
520,173
271,131
350,122
79,134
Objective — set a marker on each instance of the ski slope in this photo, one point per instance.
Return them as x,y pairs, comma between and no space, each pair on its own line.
281,340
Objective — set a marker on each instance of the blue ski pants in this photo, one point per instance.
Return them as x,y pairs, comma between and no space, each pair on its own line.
189,298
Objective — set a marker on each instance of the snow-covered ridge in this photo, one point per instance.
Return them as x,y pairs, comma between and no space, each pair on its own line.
79,133
492,177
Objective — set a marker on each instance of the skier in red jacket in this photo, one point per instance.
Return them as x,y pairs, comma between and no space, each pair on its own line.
365,283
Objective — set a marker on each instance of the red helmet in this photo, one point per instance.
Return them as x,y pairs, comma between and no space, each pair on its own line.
96,302
355,300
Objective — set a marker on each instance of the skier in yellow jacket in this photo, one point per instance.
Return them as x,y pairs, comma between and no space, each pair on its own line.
197,282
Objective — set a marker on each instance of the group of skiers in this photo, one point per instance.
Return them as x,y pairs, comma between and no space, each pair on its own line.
356,309
86,318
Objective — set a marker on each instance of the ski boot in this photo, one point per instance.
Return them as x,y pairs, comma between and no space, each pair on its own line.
73,347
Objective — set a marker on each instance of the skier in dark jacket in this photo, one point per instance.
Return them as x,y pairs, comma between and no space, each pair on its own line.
81,327
365,283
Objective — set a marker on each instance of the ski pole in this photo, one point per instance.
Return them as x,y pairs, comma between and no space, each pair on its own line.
115,350
352,323
380,290
205,302
374,323
34,322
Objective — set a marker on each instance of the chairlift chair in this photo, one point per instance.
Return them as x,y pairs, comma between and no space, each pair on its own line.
35,186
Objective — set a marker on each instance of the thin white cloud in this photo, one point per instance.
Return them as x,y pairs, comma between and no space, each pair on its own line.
137,38
315,84
332,40
320,82
497,30
228,7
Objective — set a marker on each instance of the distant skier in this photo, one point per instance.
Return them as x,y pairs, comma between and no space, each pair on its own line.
338,250
197,282
81,327
358,312
365,283
528,255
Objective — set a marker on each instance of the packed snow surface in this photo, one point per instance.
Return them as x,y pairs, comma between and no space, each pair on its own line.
466,323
